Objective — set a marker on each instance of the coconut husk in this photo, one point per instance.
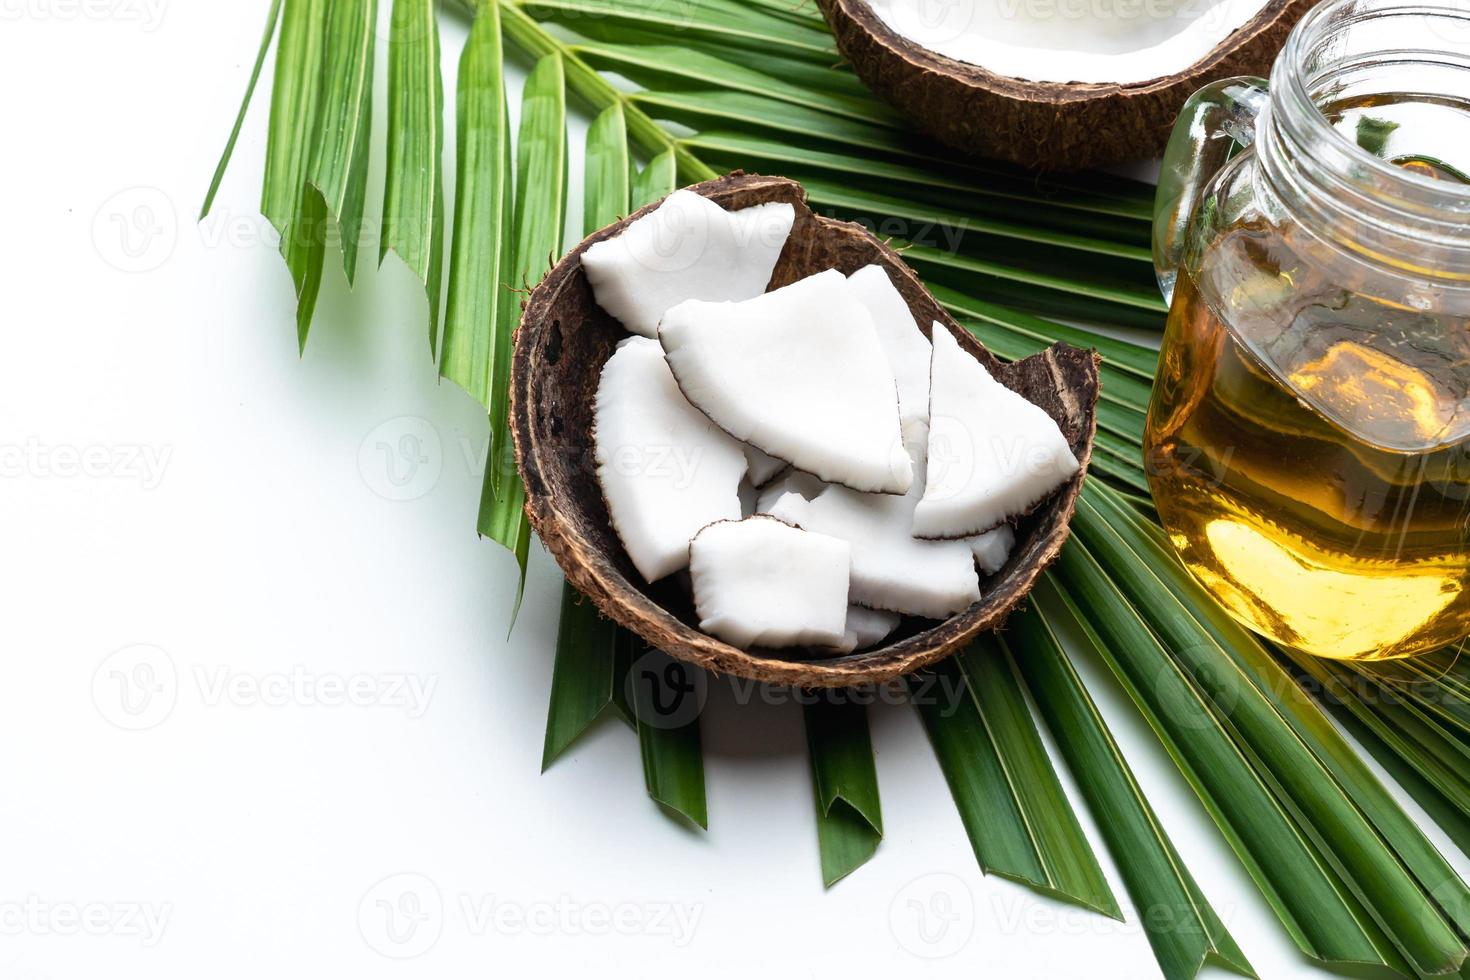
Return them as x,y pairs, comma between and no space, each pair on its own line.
563,341
1043,125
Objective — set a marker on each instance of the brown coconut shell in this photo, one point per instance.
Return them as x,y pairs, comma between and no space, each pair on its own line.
1043,125
565,338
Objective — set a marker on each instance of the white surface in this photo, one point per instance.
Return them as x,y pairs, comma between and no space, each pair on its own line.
262,825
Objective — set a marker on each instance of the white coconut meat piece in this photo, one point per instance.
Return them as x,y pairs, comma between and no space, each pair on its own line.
992,454
665,469
687,248
1083,43
904,343
869,627
791,480
760,467
891,569
759,582
800,374
993,548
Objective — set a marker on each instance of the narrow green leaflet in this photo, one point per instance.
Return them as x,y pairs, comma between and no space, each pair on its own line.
583,677
413,192
800,11
1182,928
657,65
295,91
1321,914
1122,474
666,699
654,182
1122,421
229,150
845,784
605,171
729,25
288,200
540,220
339,162
479,260
1014,810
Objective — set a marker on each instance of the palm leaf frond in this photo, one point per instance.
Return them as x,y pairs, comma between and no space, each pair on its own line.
845,784
583,675
1183,929
1015,813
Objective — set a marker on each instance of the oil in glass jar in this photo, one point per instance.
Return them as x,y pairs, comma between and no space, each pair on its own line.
1308,440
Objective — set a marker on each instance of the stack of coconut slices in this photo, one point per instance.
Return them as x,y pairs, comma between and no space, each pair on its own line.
815,463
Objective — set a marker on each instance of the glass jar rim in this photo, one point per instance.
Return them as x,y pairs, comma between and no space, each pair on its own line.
1317,27
1407,225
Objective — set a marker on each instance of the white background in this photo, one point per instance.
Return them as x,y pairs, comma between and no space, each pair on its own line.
177,477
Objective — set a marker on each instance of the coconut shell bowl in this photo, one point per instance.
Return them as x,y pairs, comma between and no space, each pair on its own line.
1047,125
565,338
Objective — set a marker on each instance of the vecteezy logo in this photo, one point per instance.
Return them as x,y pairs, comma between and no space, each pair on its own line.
136,230
136,687
401,916
935,22
933,916
663,692
402,458
674,238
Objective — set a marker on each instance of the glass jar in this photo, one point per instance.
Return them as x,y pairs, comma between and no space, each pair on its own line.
1308,439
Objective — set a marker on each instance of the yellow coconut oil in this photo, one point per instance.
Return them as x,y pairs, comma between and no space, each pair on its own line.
1308,443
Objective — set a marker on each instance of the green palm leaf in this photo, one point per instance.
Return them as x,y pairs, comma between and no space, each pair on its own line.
654,182
1015,813
667,704
606,171
479,264
339,159
723,24
413,192
292,204
845,784
539,220
1183,929
583,675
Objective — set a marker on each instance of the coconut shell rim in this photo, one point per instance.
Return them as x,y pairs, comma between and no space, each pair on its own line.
861,15
624,602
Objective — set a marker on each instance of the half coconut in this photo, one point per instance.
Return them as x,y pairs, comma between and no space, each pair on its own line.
563,343
1054,84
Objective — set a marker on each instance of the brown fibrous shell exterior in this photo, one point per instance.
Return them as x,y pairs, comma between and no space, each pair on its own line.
1043,125
565,338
